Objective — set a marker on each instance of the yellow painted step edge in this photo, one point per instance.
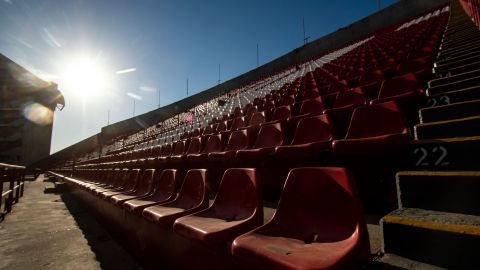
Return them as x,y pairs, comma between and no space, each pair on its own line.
452,92
451,104
446,140
453,228
439,173
449,121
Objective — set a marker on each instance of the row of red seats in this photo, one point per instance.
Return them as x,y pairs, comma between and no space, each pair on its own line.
305,228
372,129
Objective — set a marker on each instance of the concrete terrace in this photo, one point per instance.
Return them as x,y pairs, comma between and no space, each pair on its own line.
47,229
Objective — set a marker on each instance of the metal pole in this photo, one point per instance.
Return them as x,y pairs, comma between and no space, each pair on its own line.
257,56
133,107
218,73
304,38
108,117
159,103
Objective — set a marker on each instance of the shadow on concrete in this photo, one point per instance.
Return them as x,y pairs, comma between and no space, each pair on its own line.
108,253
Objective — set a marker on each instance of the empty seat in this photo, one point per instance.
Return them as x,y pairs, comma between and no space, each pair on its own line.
379,128
144,187
318,224
164,191
214,144
238,140
192,198
268,138
237,209
342,110
404,89
128,186
312,137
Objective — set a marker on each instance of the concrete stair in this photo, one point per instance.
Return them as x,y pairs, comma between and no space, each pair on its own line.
437,224
466,94
444,154
463,127
443,239
447,191
453,111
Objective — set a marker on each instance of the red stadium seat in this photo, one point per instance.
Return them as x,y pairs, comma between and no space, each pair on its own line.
238,140
127,187
403,89
306,232
144,187
312,137
237,209
192,198
164,191
214,144
342,110
268,138
379,128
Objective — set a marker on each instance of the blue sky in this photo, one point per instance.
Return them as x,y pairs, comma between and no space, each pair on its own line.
161,43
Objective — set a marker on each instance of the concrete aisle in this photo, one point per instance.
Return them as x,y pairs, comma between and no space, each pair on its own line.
49,230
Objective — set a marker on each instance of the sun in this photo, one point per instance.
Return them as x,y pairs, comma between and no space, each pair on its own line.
85,76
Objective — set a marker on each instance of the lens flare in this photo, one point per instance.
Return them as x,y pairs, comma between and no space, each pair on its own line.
38,113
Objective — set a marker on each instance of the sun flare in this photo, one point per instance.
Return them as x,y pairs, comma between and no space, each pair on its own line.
85,76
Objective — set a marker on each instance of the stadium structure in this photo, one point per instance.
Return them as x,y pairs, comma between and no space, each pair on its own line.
355,151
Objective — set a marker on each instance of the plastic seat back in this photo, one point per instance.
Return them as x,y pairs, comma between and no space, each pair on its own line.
312,106
371,77
166,150
399,85
257,119
376,120
338,86
310,217
214,144
312,129
179,148
165,185
237,123
270,136
195,146
281,113
145,183
239,195
238,140
350,97
193,190
131,180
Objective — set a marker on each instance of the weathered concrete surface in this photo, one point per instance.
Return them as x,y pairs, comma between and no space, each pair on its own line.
49,230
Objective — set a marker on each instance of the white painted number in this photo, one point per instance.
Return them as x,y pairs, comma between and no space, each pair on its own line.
432,155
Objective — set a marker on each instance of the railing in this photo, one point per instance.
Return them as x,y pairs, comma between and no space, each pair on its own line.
14,176
472,7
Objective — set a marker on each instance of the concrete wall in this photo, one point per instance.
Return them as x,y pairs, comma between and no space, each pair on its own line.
22,141
400,11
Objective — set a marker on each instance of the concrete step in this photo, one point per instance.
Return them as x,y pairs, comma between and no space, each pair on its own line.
460,41
464,30
444,154
460,38
457,52
454,78
459,69
464,127
439,238
443,67
472,93
449,112
395,262
447,191
457,85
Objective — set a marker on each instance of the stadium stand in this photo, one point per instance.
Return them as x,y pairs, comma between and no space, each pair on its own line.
328,142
